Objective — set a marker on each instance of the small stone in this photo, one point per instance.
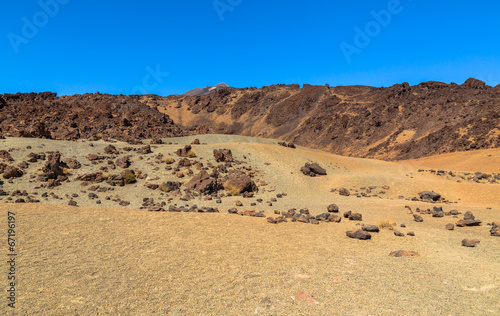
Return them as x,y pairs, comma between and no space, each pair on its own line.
450,226
271,220
238,203
72,203
399,234
468,215
355,217
371,228
403,253
333,208
359,234
410,234
418,218
470,242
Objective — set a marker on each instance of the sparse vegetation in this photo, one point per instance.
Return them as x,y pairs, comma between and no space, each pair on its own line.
66,171
232,189
129,177
169,160
386,223
191,153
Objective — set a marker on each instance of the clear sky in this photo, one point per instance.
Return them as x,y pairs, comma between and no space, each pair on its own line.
169,47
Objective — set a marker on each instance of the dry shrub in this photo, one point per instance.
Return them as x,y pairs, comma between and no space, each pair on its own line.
232,189
169,160
66,170
191,153
386,222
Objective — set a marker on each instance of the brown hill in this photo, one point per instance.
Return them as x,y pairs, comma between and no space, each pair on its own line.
398,122
88,116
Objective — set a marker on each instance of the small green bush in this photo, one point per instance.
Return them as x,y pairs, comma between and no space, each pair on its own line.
129,177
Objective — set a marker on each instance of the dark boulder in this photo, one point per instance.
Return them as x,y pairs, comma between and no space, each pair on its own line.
359,234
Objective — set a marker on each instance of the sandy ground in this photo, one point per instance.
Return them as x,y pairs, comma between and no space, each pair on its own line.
87,260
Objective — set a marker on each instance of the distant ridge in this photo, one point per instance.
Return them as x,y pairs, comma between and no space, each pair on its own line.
207,90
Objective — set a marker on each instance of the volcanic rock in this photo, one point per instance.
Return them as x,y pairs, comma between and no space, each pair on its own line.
355,217
495,231
203,183
403,253
12,172
418,218
333,208
359,234
429,195
223,155
5,155
73,163
182,152
371,228
468,222
238,182
470,242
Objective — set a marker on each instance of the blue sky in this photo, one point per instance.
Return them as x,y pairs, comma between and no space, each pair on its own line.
117,46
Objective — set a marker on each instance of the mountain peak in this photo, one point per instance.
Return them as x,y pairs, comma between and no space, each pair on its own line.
206,90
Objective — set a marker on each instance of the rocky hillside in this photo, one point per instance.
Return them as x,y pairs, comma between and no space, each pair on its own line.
398,122
89,116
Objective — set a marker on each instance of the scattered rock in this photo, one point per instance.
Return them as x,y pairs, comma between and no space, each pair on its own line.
399,234
12,172
371,228
203,183
429,195
223,155
23,165
344,191
238,182
333,208
110,149
145,150
169,186
404,253
418,218
73,163
470,242
495,230
182,152
312,170
410,234
355,217
468,222
359,234
468,215
450,226
123,162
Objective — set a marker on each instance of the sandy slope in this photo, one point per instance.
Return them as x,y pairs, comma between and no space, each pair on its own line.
127,261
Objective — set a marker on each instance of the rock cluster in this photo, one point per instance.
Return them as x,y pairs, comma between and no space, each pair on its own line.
312,169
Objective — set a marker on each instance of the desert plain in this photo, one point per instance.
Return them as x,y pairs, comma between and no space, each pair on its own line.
123,250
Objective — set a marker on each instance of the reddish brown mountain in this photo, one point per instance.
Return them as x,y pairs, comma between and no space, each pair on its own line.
398,122
88,116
